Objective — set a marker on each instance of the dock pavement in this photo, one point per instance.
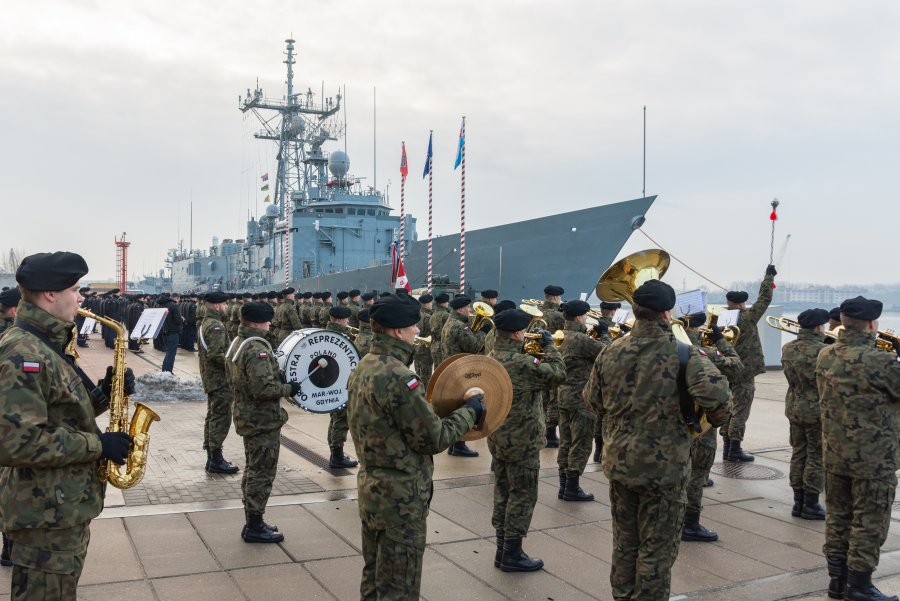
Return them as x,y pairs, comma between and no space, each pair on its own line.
176,535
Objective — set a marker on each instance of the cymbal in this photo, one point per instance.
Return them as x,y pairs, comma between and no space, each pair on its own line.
459,373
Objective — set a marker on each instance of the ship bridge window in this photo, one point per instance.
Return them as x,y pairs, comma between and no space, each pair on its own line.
340,210
327,210
370,212
351,211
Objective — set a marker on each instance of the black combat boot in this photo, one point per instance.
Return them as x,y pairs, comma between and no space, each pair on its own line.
6,556
255,531
499,555
811,509
726,448
598,448
216,464
552,438
573,491
798,502
562,484
692,530
339,460
514,559
459,449
736,453
837,571
269,527
709,482
860,588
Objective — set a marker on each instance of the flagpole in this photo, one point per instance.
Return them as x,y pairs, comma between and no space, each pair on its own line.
430,216
462,210
403,207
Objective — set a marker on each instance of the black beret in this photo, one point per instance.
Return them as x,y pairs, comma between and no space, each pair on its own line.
307,295
367,296
695,320
354,293
401,291
655,295
575,308
81,290
340,312
835,314
395,311
460,301
363,316
317,295
10,297
425,299
257,312
737,296
512,320
290,290
861,308
384,295
115,291
443,297
504,305
272,294
489,294
552,290
247,295
215,297
282,293
812,317
605,306
326,295
255,296
342,295
51,271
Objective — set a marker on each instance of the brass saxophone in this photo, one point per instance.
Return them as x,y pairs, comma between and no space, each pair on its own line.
118,415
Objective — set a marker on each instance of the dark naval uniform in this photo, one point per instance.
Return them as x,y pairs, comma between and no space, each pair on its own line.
395,432
423,359
438,318
214,342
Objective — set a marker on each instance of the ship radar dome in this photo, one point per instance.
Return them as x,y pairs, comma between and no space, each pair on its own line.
271,211
338,163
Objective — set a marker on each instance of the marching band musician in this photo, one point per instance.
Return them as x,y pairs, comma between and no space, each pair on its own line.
287,316
554,319
437,321
607,312
491,337
423,363
339,318
364,338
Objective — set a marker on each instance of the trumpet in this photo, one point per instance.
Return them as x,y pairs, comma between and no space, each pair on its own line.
533,345
423,340
534,302
483,311
352,330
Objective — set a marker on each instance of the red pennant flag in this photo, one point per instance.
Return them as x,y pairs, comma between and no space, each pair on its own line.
404,167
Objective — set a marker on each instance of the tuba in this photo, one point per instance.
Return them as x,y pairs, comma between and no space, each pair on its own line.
483,311
532,346
139,426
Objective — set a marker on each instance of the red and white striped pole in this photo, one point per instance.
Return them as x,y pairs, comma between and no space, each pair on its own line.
403,172
430,220
462,210
287,242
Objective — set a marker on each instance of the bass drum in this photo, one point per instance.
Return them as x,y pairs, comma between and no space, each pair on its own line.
321,361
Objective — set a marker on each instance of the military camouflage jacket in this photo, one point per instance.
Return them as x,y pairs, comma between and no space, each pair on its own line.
579,351
395,432
553,316
606,338
354,314
798,357
305,319
49,439
456,336
424,350
859,393
5,323
436,322
323,316
522,435
334,327
723,355
633,388
288,319
213,342
363,339
748,344
256,384
235,318
489,339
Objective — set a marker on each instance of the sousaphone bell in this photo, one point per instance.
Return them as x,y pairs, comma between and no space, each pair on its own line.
460,373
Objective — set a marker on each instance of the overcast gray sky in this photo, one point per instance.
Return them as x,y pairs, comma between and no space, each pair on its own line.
114,114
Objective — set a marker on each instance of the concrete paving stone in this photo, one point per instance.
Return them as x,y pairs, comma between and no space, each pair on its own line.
133,591
546,516
113,559
583,511
457,507
215,586
776,588
341,576
5,578
789,534
477,558
342,517
273,582
305,537
443,530
780,511
784,556
443,580
570,564
588,538
221,533
168,546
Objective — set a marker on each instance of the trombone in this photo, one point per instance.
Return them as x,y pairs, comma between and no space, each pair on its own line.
884,340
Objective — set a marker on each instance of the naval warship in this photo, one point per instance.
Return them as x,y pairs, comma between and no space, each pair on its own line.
323,230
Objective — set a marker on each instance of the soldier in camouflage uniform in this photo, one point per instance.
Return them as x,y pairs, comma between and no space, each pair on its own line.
576,420
801,407
491,337
749,347
859,395
287,316
457,337
310,310
258,415
337,427
355,305
9,299
50,488
437,321
234,317
396,432
214,342
364,337
607,312
516,445
323,316
703,449
423,363
554,318
646,444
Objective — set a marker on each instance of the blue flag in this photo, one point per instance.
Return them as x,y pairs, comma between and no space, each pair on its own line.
462,142
428,158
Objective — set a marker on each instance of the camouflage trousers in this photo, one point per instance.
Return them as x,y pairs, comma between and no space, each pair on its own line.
437,357
858,518
703,455
576,438
261,459
393,562
807,471
218,418
646,533
515,495
551,407
742,392
424,366
47,563
338,427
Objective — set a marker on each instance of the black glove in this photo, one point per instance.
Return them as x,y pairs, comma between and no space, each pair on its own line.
295,388
716,334
601,329
486,326
476,403
106,383
129,382
115,446
770,270
897,346
546,338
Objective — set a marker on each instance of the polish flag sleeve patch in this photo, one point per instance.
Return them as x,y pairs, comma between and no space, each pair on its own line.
264,355
413,384
536,360
31,367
